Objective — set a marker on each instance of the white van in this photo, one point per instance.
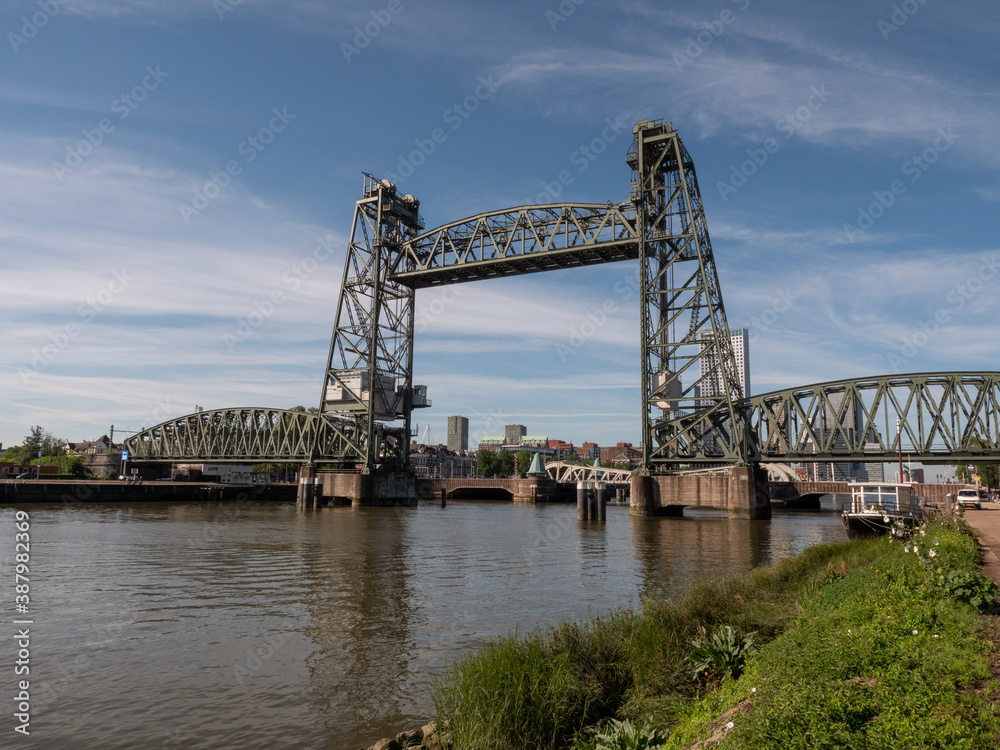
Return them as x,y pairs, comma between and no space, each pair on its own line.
969,499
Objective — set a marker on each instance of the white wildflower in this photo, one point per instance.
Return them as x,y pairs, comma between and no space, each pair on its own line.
729,726
932,553
885,519
906,549
914,632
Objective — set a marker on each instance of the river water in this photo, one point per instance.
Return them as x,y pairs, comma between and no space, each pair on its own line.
248,625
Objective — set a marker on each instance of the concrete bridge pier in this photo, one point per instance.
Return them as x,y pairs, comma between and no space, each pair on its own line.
306,496
743,492
381,489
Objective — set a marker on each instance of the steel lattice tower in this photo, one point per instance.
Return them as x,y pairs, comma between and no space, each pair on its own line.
369,368
681,302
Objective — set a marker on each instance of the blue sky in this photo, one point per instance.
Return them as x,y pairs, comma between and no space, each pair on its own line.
846,152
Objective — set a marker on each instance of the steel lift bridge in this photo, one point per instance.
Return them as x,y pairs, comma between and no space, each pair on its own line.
692,409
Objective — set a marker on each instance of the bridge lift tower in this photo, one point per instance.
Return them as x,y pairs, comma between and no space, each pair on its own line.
692,408
687,362
369,371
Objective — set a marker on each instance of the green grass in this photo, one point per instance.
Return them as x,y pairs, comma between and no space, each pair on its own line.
839,665
544,689
887,657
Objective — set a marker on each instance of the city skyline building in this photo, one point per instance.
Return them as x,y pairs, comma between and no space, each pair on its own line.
458,433
708,363
513,433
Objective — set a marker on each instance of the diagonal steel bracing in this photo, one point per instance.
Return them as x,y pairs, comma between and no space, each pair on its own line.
692,407
253,435
943,418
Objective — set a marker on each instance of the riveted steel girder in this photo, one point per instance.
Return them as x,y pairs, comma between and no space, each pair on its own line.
516,241
943,418
252,435
693,410
689,381
369,369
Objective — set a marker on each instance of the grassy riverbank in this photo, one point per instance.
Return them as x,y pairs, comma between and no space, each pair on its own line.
839,663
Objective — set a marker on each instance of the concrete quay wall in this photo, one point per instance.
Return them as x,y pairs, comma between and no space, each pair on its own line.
97,491
743,491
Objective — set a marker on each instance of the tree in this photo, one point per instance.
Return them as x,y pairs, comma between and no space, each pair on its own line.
523,462
71,465
33,442
506,464
988,474
41,441
489,463
18,454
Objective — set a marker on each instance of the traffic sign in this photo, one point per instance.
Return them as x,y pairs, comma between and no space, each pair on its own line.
124,455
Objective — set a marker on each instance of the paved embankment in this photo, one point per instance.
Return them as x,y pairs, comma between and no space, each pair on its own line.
986,524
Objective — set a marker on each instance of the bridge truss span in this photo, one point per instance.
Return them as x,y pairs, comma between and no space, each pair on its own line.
692,410
248,435
567,471
943,418
515,241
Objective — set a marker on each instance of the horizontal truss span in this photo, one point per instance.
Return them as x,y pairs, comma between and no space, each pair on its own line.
249,435
949,417
567,471
515,241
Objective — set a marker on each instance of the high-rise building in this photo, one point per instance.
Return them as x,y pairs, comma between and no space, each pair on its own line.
458,434
708,362
513,433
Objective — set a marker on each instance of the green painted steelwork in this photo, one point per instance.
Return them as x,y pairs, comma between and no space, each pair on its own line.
256,435
692,411
943,418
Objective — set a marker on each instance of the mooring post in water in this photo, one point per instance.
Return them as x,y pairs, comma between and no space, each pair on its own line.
581,501
444,494
592,497
602,501
318,495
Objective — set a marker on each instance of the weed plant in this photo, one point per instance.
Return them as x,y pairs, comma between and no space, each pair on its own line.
544,689
885,657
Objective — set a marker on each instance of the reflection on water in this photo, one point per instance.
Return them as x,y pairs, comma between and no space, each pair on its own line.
252,626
